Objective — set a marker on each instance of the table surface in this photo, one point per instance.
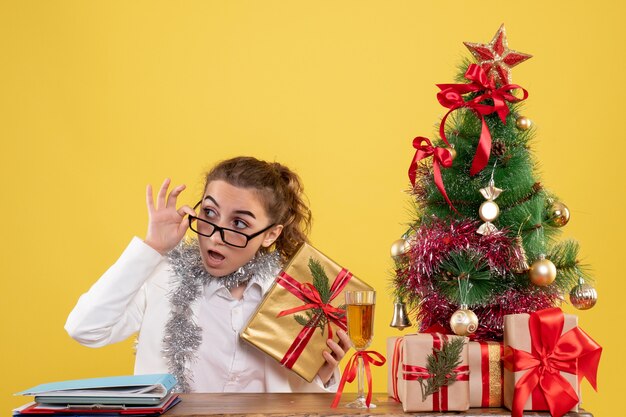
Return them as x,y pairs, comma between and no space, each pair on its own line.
311,405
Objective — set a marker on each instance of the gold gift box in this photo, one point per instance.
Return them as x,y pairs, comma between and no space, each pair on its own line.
275,335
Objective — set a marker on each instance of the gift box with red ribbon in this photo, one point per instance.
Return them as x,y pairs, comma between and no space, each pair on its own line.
486,379
546,355
300,312
391,372
410,374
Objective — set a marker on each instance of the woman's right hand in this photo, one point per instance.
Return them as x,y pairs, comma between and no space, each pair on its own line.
166,225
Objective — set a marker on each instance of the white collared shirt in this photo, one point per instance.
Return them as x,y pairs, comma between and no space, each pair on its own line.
133,296
225,363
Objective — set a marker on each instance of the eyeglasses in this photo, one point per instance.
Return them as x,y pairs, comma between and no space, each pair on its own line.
229,236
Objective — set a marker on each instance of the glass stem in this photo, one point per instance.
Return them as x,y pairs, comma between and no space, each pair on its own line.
360,377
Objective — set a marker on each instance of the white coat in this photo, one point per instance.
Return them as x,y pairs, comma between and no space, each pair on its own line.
132,297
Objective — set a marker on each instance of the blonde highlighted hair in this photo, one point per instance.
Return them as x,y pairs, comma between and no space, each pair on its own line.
281,192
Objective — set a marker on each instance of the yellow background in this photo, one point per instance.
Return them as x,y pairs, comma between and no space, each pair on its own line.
98,99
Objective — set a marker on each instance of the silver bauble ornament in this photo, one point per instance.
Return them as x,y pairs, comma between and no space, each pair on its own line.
464,321
583,296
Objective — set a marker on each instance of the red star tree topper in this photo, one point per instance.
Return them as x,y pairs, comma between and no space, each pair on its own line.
496,58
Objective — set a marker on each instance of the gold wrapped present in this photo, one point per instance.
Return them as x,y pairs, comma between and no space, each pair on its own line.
303,308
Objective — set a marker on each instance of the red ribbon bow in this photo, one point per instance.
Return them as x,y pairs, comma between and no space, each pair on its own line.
309,294
573,352
451,97
441,157
350,372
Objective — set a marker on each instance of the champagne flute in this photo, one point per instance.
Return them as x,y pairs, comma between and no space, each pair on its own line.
360,312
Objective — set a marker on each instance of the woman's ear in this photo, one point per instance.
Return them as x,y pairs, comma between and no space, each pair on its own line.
271,235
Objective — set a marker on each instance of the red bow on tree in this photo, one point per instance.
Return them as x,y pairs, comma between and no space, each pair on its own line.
573,352
451,97
441,157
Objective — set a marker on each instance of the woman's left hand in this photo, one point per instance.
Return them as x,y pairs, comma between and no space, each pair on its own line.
338,351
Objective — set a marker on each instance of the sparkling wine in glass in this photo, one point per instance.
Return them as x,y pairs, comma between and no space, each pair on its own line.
360,314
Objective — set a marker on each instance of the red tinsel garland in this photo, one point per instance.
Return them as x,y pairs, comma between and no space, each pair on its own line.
436,309
432,241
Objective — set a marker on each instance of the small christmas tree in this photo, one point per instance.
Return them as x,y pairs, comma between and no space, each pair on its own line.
483,242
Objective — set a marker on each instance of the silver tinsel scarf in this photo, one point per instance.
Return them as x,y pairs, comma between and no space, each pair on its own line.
182,335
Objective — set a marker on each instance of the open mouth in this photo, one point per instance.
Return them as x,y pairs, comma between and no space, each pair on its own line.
216,256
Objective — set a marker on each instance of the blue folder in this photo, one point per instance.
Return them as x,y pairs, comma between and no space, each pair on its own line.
128,389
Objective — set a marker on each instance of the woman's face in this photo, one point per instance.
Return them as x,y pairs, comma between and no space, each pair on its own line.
239,209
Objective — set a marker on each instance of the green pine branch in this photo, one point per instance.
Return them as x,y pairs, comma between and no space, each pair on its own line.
440,365
469,266
316,317
304,322
564,256
320,279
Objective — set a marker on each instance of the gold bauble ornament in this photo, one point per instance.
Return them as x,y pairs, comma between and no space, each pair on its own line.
523,123
542,272
452,152
463,321
488,211
558,215
583,296
399,248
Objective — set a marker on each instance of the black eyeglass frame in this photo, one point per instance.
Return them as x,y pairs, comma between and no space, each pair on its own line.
217,228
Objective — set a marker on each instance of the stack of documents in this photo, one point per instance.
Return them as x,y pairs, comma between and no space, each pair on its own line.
137,395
